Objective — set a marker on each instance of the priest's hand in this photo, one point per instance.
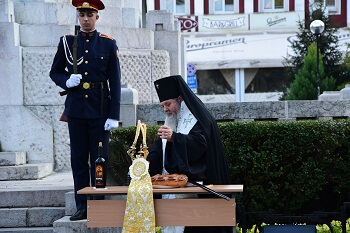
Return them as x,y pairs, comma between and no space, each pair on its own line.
165,132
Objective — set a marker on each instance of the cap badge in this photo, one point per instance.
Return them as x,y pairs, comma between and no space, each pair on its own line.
86,4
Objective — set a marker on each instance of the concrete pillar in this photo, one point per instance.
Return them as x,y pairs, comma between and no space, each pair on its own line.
329,95
199,8
160,21
170,41
345,93
11,88
299,6
150,5
7,11
166,38
129,101
239,84
248,7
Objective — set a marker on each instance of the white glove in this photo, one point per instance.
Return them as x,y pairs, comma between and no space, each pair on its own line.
74,80
111,124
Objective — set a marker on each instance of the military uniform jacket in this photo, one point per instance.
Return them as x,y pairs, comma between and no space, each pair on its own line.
98,62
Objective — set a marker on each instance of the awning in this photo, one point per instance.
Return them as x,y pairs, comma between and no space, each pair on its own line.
244,51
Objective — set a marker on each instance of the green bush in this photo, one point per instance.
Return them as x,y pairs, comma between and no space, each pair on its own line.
333,227
121,140
304,86
285,167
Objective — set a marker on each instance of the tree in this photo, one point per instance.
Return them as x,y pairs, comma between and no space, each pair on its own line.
346,68
304,86
328,46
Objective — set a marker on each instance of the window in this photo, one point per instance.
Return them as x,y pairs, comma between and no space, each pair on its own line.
224,6
214,82
266,80
333,6
177,7
273,5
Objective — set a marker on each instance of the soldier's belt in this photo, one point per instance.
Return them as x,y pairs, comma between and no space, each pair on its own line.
88,85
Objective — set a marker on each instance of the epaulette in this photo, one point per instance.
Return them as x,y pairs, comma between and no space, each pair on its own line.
106,36
68,35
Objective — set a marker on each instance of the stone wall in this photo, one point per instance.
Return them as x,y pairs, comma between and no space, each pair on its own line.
260,111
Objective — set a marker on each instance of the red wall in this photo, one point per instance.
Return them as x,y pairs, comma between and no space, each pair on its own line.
241,6
291,5
157,4
192,7
340,20
206,7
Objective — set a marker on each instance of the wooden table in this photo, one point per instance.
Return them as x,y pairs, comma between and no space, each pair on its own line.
168,212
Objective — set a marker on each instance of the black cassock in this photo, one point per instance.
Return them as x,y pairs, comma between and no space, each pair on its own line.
199,155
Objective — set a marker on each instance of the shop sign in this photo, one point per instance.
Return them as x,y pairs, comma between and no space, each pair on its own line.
283,20
187,23
237,22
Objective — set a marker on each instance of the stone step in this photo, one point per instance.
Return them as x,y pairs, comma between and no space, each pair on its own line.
26,172
12,158
27,230
64,225
54,197
30,217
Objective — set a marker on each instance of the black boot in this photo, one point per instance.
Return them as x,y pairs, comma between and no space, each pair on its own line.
79,215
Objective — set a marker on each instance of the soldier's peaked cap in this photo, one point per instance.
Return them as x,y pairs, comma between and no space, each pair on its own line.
89,4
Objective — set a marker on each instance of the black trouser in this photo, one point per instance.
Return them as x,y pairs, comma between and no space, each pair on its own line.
85,134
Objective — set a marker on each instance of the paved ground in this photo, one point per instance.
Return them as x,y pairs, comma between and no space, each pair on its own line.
53,181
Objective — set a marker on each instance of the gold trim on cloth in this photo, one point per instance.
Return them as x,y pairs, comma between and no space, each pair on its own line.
139,214
139,168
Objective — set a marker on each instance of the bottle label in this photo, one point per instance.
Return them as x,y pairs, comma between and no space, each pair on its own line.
99,171
99,181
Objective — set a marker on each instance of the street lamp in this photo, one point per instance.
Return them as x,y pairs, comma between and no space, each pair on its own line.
317,27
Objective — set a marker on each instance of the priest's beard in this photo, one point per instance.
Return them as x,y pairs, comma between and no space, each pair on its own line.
171,121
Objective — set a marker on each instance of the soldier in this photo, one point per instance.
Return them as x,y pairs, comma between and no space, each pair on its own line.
92,105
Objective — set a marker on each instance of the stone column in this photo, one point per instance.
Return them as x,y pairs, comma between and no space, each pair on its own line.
11,89
345,93
20,129
166,37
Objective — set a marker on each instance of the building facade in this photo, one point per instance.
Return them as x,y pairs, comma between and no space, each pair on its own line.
235,49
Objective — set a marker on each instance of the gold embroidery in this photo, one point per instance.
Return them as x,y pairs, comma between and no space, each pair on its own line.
139,212
106,36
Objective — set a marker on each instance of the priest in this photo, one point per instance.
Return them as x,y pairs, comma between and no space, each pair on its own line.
189,142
